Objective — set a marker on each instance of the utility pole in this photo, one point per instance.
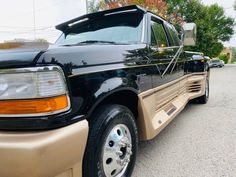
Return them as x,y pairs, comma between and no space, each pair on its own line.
34,19
87,7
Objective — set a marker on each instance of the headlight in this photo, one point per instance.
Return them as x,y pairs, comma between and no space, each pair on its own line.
33,91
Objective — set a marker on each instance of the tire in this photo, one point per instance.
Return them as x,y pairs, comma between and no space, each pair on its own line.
204,99
112,144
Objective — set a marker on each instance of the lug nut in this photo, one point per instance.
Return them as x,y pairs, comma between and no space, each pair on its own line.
122,144
118,161
119,153
123,141
122,163
129,152
127,160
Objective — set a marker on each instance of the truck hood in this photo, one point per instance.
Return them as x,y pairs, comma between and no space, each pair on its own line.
18,57
74,56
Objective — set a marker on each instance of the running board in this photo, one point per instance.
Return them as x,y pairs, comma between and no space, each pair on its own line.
159,106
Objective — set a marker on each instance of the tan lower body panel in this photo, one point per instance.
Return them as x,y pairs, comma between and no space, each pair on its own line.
158,106
55,153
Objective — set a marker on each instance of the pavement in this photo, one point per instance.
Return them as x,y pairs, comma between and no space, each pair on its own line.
201,140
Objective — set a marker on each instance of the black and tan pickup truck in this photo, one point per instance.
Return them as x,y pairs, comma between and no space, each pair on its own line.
79,107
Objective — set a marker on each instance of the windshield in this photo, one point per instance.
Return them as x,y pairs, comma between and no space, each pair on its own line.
121,29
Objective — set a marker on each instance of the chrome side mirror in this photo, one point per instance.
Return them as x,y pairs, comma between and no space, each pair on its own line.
190,34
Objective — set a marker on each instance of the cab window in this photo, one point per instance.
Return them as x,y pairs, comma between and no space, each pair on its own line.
174,38
153,38
158,33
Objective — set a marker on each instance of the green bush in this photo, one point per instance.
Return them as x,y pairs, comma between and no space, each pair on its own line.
224,57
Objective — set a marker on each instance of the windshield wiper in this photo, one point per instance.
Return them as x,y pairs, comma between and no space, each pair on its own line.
96,41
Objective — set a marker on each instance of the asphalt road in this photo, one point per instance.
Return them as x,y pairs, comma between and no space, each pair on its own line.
200,141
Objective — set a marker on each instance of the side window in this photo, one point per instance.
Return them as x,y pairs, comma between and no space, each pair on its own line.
153,39
160,34
175,41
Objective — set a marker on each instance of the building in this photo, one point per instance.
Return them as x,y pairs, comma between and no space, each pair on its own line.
229,52
23,44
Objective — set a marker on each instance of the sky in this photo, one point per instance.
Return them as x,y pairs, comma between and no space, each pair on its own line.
17,19
229,10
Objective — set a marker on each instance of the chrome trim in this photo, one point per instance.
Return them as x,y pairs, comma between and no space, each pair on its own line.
96,69
196,53
176,57
77,22
143,28
38,69
32,69
172,47
120,12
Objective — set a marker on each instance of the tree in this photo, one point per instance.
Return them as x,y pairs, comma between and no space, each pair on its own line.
213,27
212,24
93,6
234,55
158,7
174,5
224,57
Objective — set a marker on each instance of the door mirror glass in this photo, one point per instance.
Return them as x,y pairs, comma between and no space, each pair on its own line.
190,34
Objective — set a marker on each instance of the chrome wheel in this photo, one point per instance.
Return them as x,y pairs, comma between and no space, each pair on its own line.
207,89
116,151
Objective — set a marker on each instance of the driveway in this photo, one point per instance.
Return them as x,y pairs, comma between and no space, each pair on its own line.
201,141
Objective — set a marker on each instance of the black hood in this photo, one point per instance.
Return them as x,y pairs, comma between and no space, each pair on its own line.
73,56
19,57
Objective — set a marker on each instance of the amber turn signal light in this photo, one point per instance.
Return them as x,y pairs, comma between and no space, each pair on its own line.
34,106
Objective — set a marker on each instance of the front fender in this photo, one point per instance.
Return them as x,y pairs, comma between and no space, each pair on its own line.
87,91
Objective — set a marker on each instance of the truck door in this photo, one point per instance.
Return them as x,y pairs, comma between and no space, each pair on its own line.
165,54
162,53
174,41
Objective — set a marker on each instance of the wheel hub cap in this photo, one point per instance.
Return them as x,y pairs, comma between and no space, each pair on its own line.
117,151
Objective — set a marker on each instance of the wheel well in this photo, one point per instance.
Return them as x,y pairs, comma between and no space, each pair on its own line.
125,98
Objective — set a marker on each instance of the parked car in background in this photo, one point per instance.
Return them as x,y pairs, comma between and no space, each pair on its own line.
223,63
208,58
79,108
216,63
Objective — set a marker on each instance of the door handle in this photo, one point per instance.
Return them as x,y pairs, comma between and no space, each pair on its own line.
169,50
155,49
